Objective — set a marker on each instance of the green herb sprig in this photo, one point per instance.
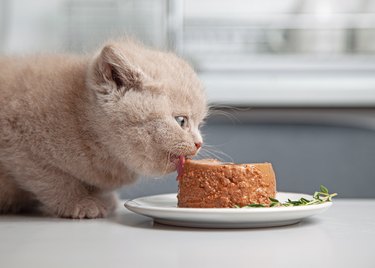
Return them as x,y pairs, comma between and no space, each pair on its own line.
318,198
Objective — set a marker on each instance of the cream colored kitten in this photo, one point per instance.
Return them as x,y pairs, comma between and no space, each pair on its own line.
75,128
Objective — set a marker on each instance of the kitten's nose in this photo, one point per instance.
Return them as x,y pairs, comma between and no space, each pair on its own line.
198,145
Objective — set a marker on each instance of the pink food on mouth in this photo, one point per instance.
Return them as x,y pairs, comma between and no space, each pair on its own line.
180,165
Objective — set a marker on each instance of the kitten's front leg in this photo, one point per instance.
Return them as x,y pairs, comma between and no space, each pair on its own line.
79,204
12,198
64,196
84,206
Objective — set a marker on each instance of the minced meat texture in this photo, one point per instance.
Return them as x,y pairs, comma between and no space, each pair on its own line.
212,184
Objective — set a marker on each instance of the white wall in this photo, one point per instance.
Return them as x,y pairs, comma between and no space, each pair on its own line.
33,26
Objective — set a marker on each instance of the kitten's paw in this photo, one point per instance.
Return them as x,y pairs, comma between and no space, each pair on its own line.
89,208
83,208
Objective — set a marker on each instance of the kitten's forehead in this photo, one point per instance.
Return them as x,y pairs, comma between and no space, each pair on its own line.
183,87
181,84
188,101
171,75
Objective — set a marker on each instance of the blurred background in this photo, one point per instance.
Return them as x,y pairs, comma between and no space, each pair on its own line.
292,82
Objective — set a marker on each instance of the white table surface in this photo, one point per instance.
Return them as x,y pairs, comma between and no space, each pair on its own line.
343,236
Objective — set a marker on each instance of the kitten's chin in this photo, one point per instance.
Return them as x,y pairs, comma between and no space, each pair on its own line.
158,168
159,171
171,166
162,166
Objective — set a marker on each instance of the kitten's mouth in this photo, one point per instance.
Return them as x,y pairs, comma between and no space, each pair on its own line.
179,161
180,165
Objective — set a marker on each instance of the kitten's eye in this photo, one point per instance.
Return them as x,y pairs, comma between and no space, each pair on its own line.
182,121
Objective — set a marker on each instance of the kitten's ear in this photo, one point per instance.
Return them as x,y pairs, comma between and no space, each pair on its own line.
113,68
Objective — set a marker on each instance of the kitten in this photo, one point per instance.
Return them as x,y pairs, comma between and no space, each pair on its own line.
75,128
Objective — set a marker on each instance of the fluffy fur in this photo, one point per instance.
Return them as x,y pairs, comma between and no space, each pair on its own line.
75,128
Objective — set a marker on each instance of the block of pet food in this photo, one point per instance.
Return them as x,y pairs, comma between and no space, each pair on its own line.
210,183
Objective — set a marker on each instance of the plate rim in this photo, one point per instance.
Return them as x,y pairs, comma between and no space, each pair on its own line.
132,204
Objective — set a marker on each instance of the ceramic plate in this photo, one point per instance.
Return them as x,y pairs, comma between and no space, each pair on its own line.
163,209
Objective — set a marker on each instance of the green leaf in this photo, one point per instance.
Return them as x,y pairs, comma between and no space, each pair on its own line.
304,200
318,198
256,206
274,200
297,202
323,189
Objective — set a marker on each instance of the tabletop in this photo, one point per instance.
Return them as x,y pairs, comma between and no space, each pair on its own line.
343,236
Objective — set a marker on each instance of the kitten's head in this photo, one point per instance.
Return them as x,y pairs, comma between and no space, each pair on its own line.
148,106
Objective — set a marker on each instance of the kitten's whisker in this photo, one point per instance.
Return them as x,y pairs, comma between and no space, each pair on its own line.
218,154
226,114
167,162
214,146
201,155
205,155
213,155
233,113
221,153
208,153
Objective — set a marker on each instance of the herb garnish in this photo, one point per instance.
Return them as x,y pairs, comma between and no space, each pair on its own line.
318,198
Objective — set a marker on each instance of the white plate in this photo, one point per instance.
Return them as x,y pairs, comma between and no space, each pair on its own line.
163,209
